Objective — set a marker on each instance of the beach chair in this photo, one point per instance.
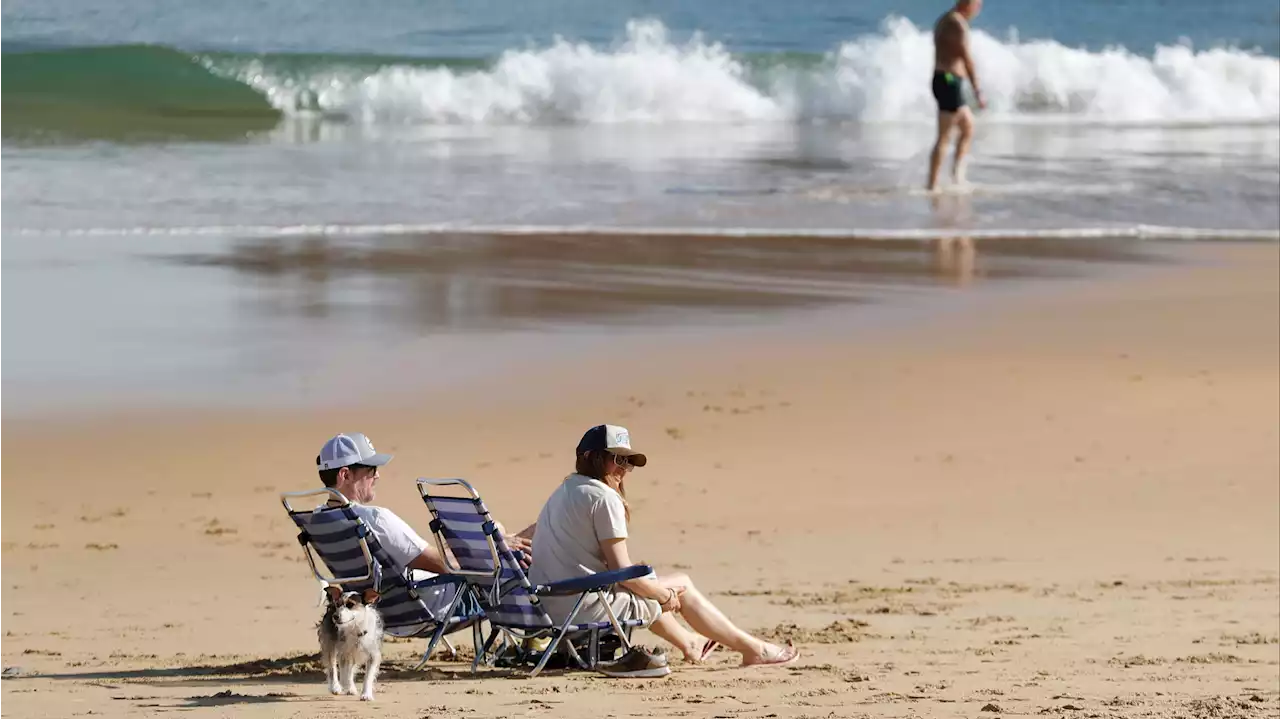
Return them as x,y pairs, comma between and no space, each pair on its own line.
355,561
477,550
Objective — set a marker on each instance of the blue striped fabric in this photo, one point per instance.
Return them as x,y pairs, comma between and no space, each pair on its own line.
334,533
506,594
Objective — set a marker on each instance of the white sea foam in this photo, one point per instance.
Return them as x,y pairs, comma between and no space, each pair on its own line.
648,78
1140,231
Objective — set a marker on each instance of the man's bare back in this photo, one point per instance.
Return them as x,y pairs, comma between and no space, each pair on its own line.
949,41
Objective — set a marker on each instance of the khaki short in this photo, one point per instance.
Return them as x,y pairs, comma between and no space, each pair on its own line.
628,606
625,606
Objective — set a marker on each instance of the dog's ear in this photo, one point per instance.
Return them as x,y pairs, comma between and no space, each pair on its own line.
334,592
370,596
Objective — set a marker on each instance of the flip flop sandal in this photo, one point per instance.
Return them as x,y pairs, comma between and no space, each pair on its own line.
708,649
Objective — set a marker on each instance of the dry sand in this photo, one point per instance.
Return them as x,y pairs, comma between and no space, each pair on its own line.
1063,503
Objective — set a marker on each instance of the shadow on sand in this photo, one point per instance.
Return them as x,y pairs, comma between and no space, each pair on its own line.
298,668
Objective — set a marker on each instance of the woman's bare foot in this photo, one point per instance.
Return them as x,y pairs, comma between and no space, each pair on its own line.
693,650
771,655
699,650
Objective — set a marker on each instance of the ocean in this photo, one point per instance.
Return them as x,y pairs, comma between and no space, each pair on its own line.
140,129
135,115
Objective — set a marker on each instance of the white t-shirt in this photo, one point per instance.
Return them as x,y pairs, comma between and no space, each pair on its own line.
403,545
398,540
580,513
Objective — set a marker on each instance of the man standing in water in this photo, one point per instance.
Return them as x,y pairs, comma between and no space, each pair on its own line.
952,69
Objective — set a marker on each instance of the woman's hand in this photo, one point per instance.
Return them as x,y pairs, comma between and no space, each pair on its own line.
672,602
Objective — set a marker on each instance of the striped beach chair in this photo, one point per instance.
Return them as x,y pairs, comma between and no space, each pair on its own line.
354,561
474,547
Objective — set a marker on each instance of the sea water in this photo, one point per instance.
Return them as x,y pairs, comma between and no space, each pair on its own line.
142,115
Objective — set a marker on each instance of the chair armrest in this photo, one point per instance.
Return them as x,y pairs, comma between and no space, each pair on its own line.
593,582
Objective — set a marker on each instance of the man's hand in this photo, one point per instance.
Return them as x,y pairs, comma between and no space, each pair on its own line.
982,101
519,544
523,549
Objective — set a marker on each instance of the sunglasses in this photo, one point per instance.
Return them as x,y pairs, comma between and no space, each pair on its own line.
622,461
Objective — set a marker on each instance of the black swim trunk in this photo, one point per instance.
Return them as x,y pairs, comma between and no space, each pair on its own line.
948,90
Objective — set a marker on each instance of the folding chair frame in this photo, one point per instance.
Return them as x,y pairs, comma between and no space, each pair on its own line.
496,589
373,575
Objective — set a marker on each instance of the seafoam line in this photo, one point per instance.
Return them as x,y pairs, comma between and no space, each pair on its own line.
1142,231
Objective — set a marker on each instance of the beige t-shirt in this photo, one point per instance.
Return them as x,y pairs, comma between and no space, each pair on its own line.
580,513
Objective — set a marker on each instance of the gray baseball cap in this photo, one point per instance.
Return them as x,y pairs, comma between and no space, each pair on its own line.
351,448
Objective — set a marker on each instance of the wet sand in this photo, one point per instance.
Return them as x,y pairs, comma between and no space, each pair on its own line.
1060,501
253,324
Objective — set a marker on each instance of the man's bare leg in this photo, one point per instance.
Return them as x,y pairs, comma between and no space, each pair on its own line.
964,121
946,121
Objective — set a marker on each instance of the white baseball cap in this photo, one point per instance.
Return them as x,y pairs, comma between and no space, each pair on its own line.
613,439
347,449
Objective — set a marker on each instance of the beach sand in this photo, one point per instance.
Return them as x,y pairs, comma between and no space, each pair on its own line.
1062,503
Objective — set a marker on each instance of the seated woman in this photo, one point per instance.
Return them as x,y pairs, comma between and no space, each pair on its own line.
582,530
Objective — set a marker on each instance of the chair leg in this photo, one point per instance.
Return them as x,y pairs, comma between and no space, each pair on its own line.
593,649
477,639
555,641
493,651
572,651
613,619
483,652
436,636
453,651
546,656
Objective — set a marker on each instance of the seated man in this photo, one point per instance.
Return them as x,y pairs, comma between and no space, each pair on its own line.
349,464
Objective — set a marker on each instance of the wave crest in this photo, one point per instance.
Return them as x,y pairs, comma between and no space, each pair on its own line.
878,78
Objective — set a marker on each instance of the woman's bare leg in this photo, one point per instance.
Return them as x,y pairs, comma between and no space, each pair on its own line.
689,644
708,620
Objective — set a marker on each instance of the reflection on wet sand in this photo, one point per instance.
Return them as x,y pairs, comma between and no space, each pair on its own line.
952,210
955,259
477,282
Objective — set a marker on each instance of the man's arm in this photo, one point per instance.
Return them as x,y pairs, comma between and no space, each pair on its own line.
402,543
962,33
430,561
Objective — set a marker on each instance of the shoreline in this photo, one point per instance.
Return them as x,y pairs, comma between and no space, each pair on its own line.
1138,231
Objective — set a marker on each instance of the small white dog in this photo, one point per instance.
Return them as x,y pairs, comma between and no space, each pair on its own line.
350,636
